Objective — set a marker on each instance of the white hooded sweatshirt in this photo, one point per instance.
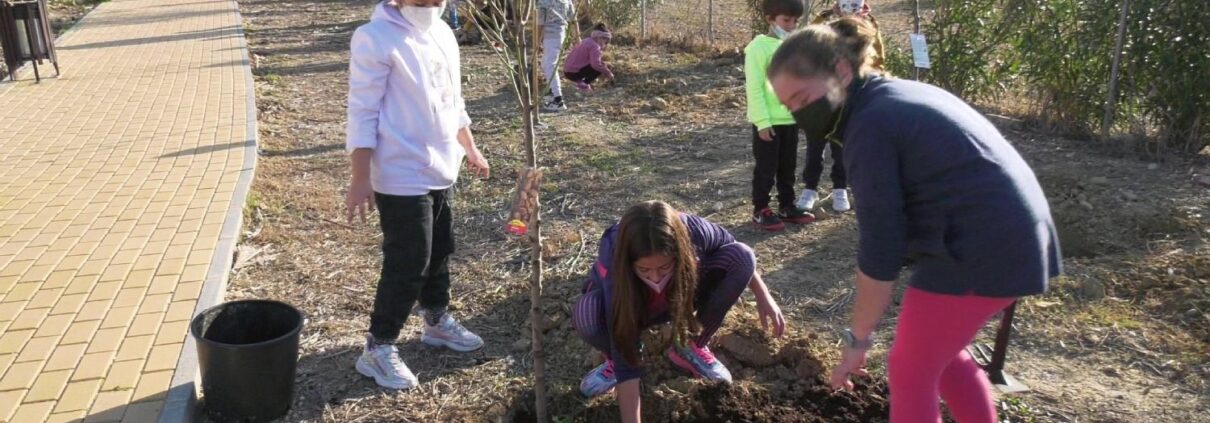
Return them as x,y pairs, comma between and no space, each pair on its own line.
405,103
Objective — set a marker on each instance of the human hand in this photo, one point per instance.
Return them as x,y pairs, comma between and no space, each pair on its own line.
478,165
474,158
766,134
359,200
852,362
770,313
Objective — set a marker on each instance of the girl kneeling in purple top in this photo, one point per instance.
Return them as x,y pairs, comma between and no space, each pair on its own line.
656,266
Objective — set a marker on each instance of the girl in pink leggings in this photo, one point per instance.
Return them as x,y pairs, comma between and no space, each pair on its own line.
938,188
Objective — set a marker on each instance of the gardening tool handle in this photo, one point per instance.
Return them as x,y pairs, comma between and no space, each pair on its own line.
1002,337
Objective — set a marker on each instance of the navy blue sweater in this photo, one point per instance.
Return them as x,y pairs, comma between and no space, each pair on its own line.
940,189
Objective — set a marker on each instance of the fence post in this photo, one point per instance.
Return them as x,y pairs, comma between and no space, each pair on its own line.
710,22
642,19
915,30
1111,101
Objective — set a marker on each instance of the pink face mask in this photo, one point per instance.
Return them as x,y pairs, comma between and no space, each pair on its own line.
657,286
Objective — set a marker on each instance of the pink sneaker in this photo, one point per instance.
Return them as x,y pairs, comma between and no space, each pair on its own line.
699,361
583,86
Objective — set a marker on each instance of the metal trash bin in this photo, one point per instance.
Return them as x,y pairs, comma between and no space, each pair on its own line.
25,36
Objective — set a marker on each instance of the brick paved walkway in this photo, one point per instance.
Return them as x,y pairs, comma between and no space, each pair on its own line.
115,185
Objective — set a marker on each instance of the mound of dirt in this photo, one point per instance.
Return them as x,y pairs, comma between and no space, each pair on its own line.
786,382
775,381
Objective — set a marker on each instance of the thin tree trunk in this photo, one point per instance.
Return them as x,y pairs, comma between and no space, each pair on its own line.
1111,102
642,21
530,117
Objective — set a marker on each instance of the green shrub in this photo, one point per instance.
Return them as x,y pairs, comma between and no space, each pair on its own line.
1061,51
1065,52
966,45
1167,71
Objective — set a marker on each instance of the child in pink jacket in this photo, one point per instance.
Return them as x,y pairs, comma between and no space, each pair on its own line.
584,65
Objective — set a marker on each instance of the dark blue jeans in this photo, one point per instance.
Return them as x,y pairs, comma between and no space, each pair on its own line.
417,240
814,168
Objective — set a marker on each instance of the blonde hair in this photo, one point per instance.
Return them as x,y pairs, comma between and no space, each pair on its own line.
816,49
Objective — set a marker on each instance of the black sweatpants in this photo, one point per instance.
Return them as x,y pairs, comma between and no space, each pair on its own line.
814,167
417,240
587,74
775,162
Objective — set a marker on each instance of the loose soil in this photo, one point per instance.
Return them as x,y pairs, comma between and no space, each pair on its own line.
1122,337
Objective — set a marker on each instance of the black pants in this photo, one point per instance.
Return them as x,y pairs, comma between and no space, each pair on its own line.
587,74
814,168
417,240
775,162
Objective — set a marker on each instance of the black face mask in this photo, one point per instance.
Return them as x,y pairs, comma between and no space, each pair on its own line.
818,118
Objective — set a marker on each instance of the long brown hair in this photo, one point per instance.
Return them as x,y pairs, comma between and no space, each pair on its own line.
816,49
651,228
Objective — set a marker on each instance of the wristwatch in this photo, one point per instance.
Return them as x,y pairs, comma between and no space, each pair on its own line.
851,341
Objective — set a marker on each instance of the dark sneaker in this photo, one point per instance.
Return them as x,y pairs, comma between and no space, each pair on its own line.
554,105
767,220
796,215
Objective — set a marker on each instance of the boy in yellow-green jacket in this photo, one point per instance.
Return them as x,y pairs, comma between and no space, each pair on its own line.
774,134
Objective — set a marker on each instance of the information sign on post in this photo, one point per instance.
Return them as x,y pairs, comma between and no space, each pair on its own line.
920,51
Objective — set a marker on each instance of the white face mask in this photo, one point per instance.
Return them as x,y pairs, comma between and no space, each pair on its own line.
780,33
657,285
421,17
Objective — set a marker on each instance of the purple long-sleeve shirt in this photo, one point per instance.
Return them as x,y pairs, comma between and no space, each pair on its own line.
707,239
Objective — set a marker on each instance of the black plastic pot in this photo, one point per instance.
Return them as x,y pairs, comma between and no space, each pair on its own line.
248,353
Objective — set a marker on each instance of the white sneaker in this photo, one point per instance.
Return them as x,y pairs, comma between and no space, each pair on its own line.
840,200
382,363
807,200
448,333
553,106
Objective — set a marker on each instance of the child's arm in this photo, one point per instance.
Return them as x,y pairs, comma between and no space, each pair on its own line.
766,306
368,72
360,198
629,402
367,85
594,60
755,80
473,157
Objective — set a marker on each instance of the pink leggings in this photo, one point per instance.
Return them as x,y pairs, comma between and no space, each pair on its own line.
929,359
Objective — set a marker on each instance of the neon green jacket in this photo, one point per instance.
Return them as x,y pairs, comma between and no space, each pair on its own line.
764,109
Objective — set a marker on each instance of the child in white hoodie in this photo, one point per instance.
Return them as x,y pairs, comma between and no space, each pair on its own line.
408,132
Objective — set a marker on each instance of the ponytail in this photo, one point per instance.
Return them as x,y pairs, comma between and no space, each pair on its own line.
861,38
816,49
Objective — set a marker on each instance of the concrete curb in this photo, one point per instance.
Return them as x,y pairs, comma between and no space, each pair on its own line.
180,404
